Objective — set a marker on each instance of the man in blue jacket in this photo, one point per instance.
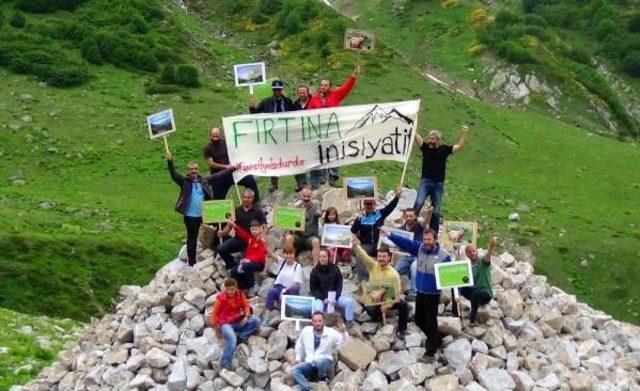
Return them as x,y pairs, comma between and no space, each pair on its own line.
427,253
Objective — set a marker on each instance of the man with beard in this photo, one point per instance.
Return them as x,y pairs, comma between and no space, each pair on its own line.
309,238
302,103
427,253
276,103
434,164
217,157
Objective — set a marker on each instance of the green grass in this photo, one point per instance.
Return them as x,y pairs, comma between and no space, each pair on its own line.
27,353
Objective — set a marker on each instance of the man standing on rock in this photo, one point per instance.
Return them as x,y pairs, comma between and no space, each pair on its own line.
309,238
434,164
232,314
245,213
302,103
427,254
367,228
276,103
314,351
481,292
324,98
406,265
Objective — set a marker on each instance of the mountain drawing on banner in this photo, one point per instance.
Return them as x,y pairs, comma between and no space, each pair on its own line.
378,115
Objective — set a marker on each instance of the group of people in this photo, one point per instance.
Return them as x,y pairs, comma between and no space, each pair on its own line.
232,315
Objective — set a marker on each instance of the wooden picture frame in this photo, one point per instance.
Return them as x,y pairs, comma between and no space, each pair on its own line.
361,187
459,233
401,232
250,74
390,296
336,235
161,124
297,308
359,40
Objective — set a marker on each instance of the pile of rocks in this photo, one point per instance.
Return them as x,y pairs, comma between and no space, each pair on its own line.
531,336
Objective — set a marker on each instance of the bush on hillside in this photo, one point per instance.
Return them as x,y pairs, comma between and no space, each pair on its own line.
1,17
478,17
270,7
515,52
631,63
167,74
633,25
605,28
535,20
17,20
47,6
187,76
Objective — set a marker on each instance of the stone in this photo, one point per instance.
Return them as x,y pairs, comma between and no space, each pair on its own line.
257,365
580,382
277,345
449,325
193,377
568,354
157,358
178,378
232,378
391,362
443,383
26,97
492,337
494,379
417,373
402,385
118,356
514,217
135,362
196,297
142,382
357,354
376,381
481,362
458,354
478,346
523,381
549,382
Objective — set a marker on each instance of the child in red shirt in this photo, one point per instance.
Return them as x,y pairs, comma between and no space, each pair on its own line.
254,256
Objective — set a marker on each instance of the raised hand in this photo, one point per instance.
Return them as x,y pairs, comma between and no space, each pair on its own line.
168,155
384,231
464,129
399,191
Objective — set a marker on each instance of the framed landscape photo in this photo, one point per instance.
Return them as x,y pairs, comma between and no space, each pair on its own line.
160,124
217,211
459,233
359,40
400,232
453,274
361,187
250,74
336,235
378,293
296,308
292,219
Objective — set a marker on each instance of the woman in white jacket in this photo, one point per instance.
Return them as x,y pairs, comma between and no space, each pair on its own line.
314,351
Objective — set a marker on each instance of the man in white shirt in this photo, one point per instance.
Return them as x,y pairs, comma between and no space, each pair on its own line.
314,351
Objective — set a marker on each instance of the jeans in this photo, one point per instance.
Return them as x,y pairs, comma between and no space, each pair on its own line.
222,185
435,190
301,180
334,174
317,177
229,334
403,313
407,266
477,298
193,227
245,278
343,302
426,317
274,293
228,247
304,370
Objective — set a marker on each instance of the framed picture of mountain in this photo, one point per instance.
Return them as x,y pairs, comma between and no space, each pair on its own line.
359,40
360,187
336,235
459,233
250,74
400,232
161,124
296,308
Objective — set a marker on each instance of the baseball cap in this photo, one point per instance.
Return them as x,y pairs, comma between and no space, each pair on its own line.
369,201
277,85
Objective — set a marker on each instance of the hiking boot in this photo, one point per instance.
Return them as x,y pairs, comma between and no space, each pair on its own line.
426,359
411,296
400,334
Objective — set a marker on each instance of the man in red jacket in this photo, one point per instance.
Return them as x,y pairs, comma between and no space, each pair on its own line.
231,314
328,97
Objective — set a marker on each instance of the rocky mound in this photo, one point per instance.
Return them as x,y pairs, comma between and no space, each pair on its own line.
531,336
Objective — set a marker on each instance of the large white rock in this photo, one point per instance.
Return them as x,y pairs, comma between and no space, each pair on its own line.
449,325
494,379
417,373
443,383
157,358
523,381
549,382
196,297
458,354
178,377
376,381
391,362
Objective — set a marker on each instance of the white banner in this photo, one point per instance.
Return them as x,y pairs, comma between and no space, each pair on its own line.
298,141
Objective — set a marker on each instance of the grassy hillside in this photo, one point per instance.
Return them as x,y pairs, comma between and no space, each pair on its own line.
86,202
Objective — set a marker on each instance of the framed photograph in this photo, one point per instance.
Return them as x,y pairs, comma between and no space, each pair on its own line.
217,211
459,233
400,232
336,235
359,40
296,308
378,293
160,124
292,219
453,274
250,74
360,187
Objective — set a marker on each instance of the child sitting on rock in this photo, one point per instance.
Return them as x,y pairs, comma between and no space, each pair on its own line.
254,256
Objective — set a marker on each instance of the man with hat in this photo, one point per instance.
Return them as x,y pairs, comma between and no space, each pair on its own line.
367,228
276,103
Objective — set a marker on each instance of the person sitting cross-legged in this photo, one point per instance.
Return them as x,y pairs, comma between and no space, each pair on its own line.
481,292
288,280
255,255
314,351
382,271
232,314
326,277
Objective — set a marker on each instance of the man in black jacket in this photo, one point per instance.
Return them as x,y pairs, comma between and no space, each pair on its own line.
326,277
194,189
367,228
276,103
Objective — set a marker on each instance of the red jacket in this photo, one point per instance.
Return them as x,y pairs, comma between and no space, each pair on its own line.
335,96
228,310
256,250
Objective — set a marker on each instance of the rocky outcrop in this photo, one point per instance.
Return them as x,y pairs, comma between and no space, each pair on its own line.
531,336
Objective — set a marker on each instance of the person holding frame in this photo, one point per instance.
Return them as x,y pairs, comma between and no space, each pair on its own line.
194,189
383,271
326,277
336,254
288,279
309,238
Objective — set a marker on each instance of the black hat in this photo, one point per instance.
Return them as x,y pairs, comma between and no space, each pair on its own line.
277,85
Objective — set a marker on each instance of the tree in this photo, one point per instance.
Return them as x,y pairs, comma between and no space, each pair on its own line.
17,20
187,76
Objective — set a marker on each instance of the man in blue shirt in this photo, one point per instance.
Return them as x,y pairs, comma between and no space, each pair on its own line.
427,253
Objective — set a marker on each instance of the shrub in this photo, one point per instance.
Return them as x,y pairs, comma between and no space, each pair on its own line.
634,22
578,54
17,20
269,7
631,63
605,27
1,17
477,49
47,6
529,5
187,76
449,3
90,50
154,88
167,74
505,18
478,17
515,53
535,20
